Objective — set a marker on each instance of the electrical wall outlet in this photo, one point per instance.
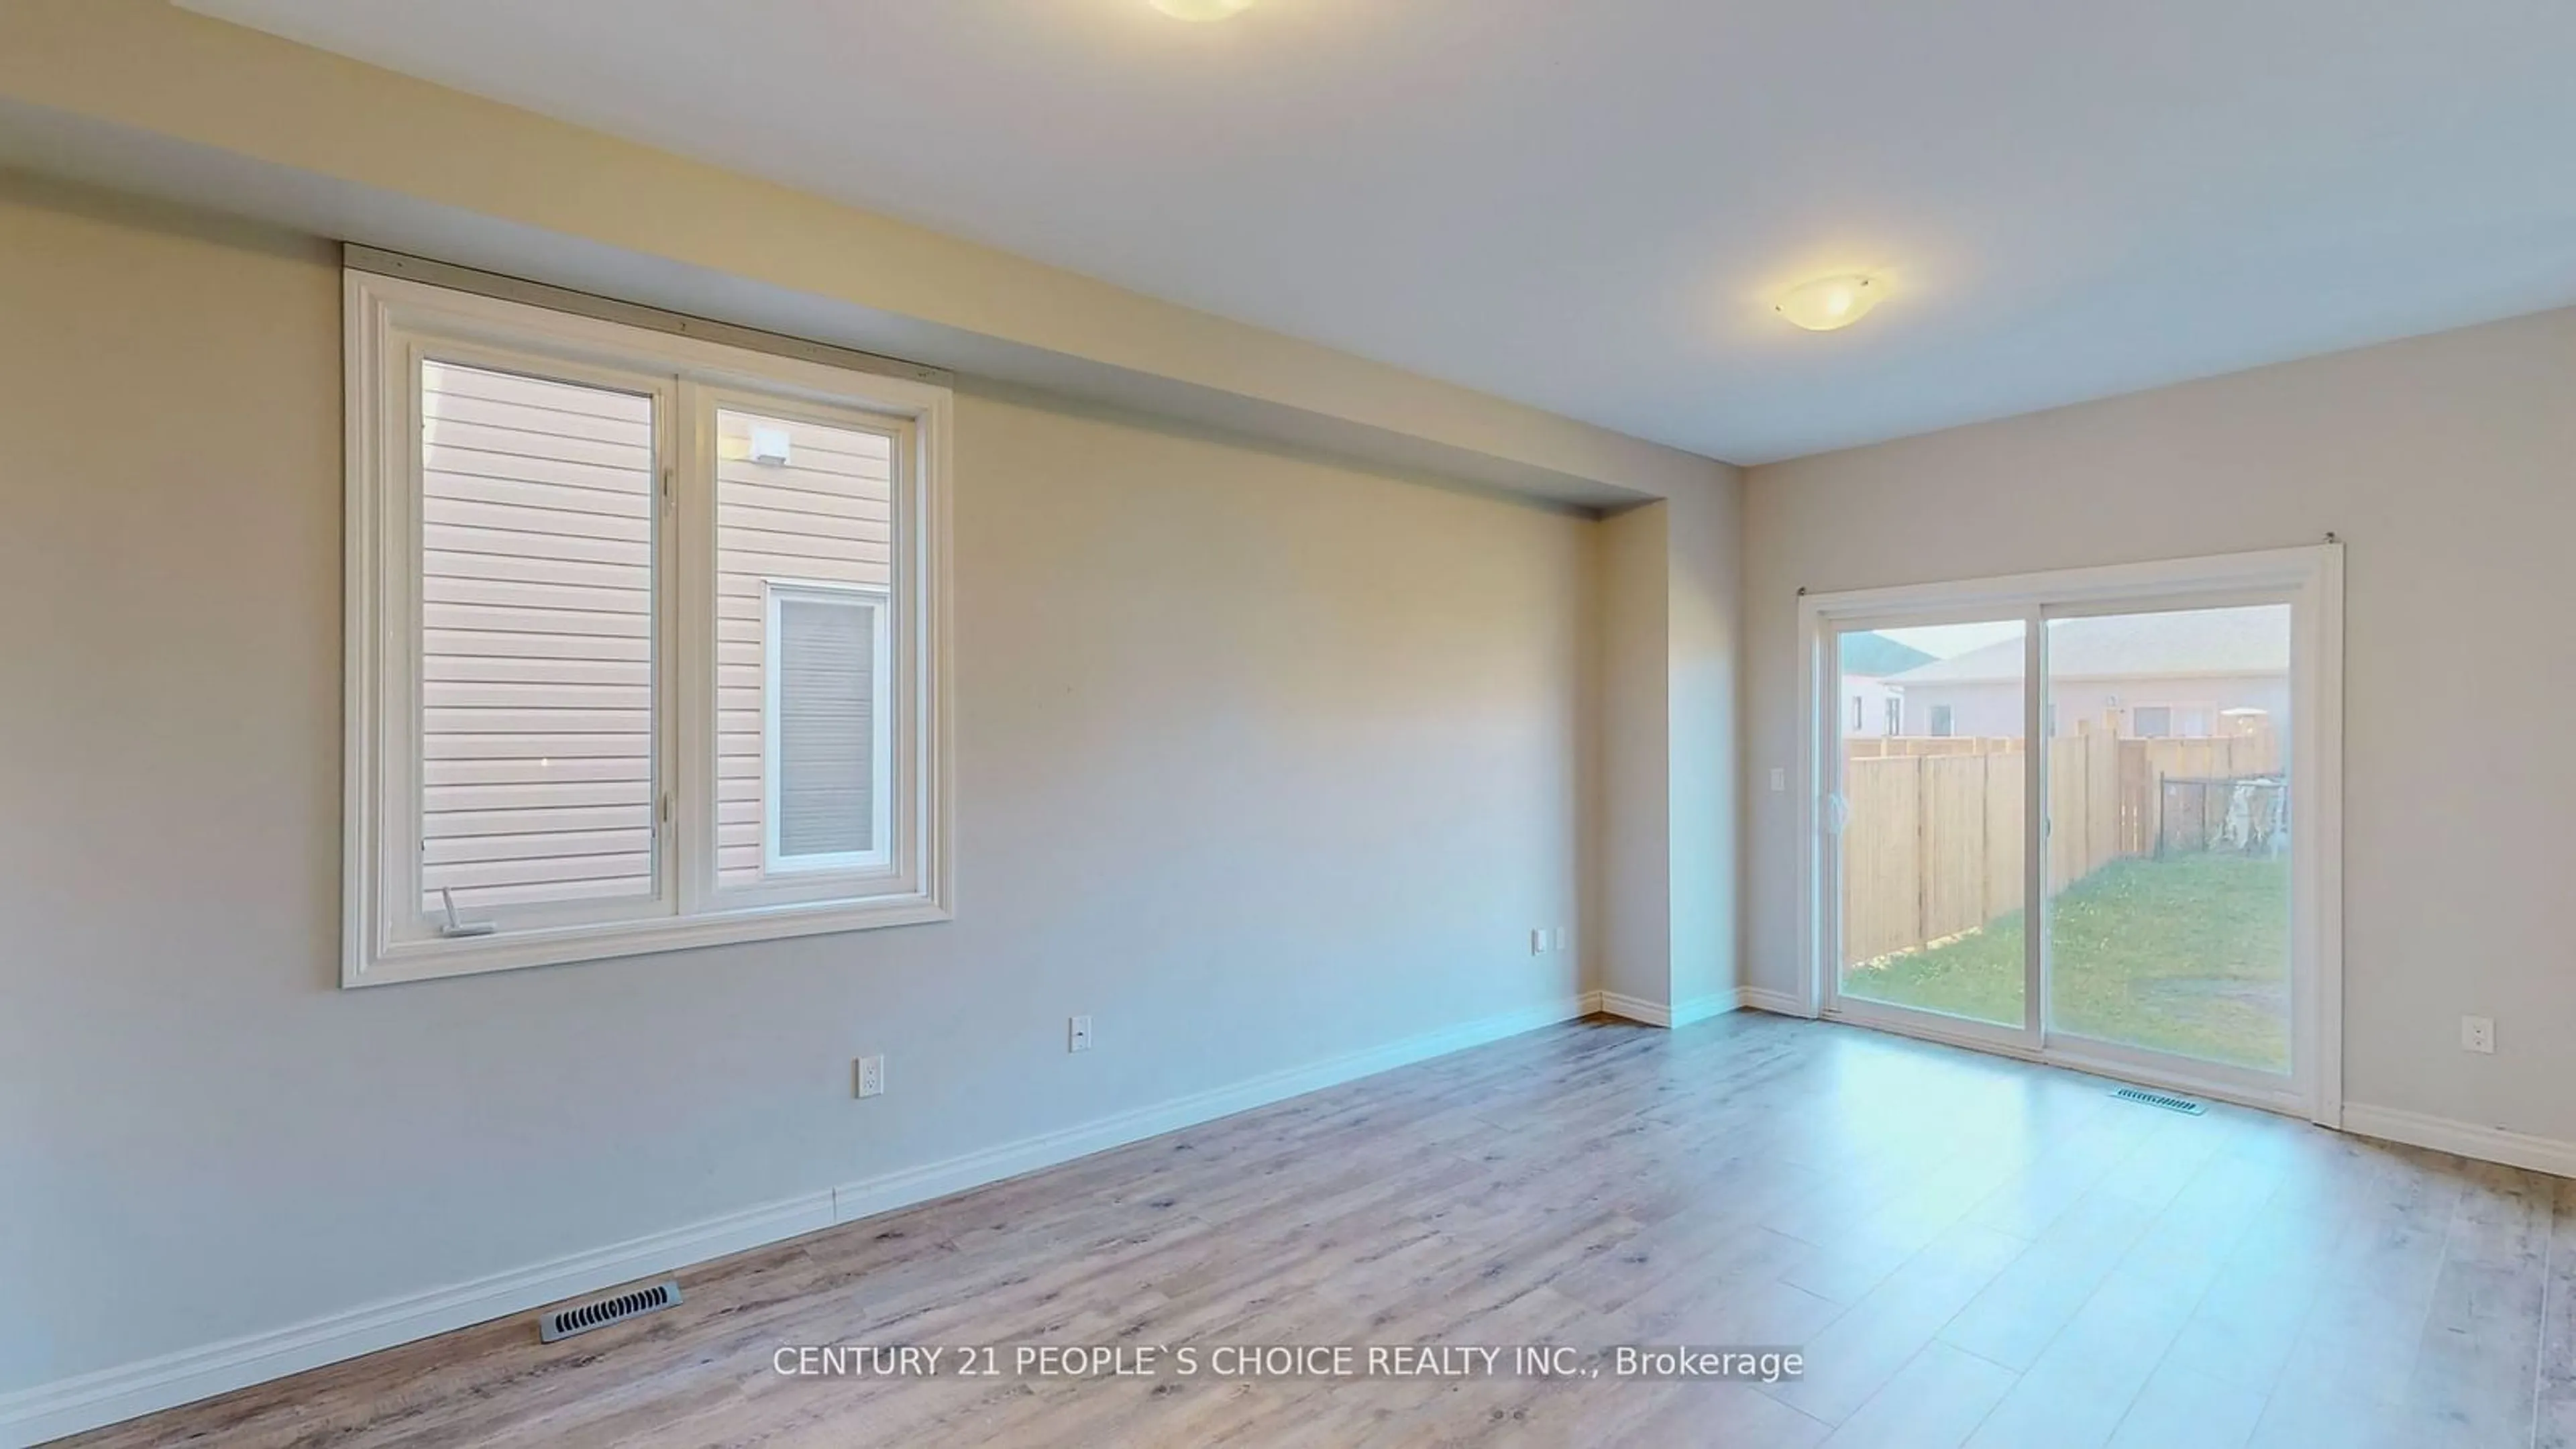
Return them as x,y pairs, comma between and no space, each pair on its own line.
2477,1034
872,1076
1538,940
1077,1034
1779,780
1559,938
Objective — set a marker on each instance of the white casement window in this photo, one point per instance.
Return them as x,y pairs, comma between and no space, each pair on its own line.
645,640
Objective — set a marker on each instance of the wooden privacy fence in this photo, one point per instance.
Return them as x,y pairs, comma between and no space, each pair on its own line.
1932,846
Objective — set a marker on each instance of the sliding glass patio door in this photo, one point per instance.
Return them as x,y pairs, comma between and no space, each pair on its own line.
2169,825
2077,820
1931,836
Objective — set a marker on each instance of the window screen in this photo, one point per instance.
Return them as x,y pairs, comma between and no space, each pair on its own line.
536,647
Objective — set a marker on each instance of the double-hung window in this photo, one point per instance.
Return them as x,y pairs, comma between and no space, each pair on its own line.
644,640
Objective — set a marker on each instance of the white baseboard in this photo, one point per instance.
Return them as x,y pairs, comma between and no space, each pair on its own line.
2467,1139
911,1185
1779,1003
1655,1013
1636,1008
67,1406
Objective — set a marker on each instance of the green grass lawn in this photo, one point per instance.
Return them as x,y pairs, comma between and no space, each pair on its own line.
2190,954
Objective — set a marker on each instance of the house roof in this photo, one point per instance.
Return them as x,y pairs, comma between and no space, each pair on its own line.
2186,644
1876,655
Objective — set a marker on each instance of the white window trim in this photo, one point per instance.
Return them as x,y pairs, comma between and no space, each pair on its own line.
805,869
2311,580
387,319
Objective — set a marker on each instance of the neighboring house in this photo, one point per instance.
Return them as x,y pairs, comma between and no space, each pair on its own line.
539,618
1870,706
2183,675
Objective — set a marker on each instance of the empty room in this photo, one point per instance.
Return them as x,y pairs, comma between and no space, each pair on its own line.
1287,722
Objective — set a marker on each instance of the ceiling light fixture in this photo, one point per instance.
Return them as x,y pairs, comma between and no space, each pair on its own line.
1830,302
1202,9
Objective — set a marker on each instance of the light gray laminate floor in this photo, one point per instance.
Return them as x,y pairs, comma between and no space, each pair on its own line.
1968,1250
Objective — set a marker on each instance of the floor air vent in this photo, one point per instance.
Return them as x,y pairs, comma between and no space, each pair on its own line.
601,1312
2158,1099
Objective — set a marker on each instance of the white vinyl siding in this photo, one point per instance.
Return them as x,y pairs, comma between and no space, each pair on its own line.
819,518
536,650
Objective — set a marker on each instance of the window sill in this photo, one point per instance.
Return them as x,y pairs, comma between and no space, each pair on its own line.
475,955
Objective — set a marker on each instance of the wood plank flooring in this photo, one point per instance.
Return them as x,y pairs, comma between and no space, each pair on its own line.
1968,1250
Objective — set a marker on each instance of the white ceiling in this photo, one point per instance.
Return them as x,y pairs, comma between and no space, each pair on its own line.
1586,206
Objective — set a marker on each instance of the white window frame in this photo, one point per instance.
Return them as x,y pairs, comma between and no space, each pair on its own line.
804,869
391,325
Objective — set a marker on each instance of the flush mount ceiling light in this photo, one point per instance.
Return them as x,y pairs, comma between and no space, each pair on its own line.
1202,9
1830,302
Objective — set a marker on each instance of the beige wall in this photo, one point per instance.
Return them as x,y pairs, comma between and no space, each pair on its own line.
1261,761
1668,828
1705,664
1636,740
2448,464
146,96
